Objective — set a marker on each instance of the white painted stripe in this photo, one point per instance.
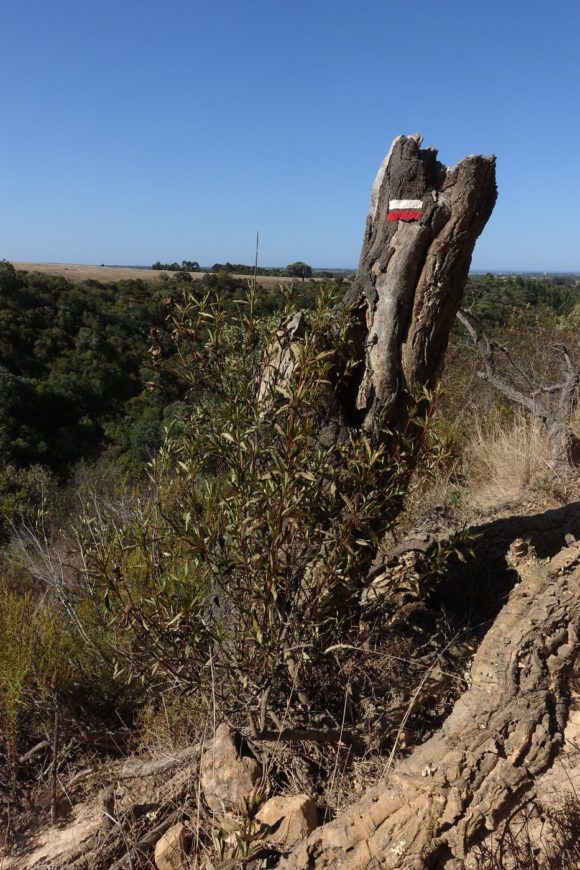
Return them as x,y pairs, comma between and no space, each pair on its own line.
379,179
405,204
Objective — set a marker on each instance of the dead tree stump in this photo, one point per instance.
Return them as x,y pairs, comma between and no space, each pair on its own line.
422,226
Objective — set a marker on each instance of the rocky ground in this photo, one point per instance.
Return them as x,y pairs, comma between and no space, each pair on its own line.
220,802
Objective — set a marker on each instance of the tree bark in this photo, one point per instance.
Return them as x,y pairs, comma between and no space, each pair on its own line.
411,276
503,732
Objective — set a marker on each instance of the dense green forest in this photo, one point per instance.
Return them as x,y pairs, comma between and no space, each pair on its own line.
86,369
494,299
90,381
74,367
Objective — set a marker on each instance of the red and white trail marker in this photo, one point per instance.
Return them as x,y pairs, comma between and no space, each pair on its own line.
405,209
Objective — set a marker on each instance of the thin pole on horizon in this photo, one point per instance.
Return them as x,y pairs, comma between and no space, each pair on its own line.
256,260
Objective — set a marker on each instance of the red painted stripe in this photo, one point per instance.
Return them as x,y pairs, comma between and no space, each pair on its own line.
399,215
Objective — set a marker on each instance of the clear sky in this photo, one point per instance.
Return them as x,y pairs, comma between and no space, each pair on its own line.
138,130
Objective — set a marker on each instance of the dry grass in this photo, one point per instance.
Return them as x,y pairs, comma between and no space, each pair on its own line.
504,461
536,836
82,272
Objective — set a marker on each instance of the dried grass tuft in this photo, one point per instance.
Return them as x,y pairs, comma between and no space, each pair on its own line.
505,460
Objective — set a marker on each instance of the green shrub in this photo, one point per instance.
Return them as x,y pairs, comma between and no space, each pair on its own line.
24,497
246,557
39,659
17,654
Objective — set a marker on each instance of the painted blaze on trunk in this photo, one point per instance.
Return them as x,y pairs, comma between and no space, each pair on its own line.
405,209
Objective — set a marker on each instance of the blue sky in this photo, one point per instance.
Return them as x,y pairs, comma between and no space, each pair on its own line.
136,130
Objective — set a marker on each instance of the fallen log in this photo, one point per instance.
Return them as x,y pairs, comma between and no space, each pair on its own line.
504,731
305,735
135,769
44,744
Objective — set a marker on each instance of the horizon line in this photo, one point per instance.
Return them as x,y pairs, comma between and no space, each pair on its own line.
483,271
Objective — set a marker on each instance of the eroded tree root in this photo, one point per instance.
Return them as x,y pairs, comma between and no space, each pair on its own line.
502,733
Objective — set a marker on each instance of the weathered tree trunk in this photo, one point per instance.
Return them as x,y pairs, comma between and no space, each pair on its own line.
502,733
506,728
422,226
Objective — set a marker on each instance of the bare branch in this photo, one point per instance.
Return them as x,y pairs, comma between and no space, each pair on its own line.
464,320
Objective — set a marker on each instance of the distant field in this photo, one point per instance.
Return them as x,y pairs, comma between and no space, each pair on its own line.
82,272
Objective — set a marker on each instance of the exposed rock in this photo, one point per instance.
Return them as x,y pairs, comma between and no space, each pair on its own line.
170,849
229,771
566,560
107,799
297,815
519,547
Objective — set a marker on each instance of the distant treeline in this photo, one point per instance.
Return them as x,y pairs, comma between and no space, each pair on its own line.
241,269
186,266
293,270
230,268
